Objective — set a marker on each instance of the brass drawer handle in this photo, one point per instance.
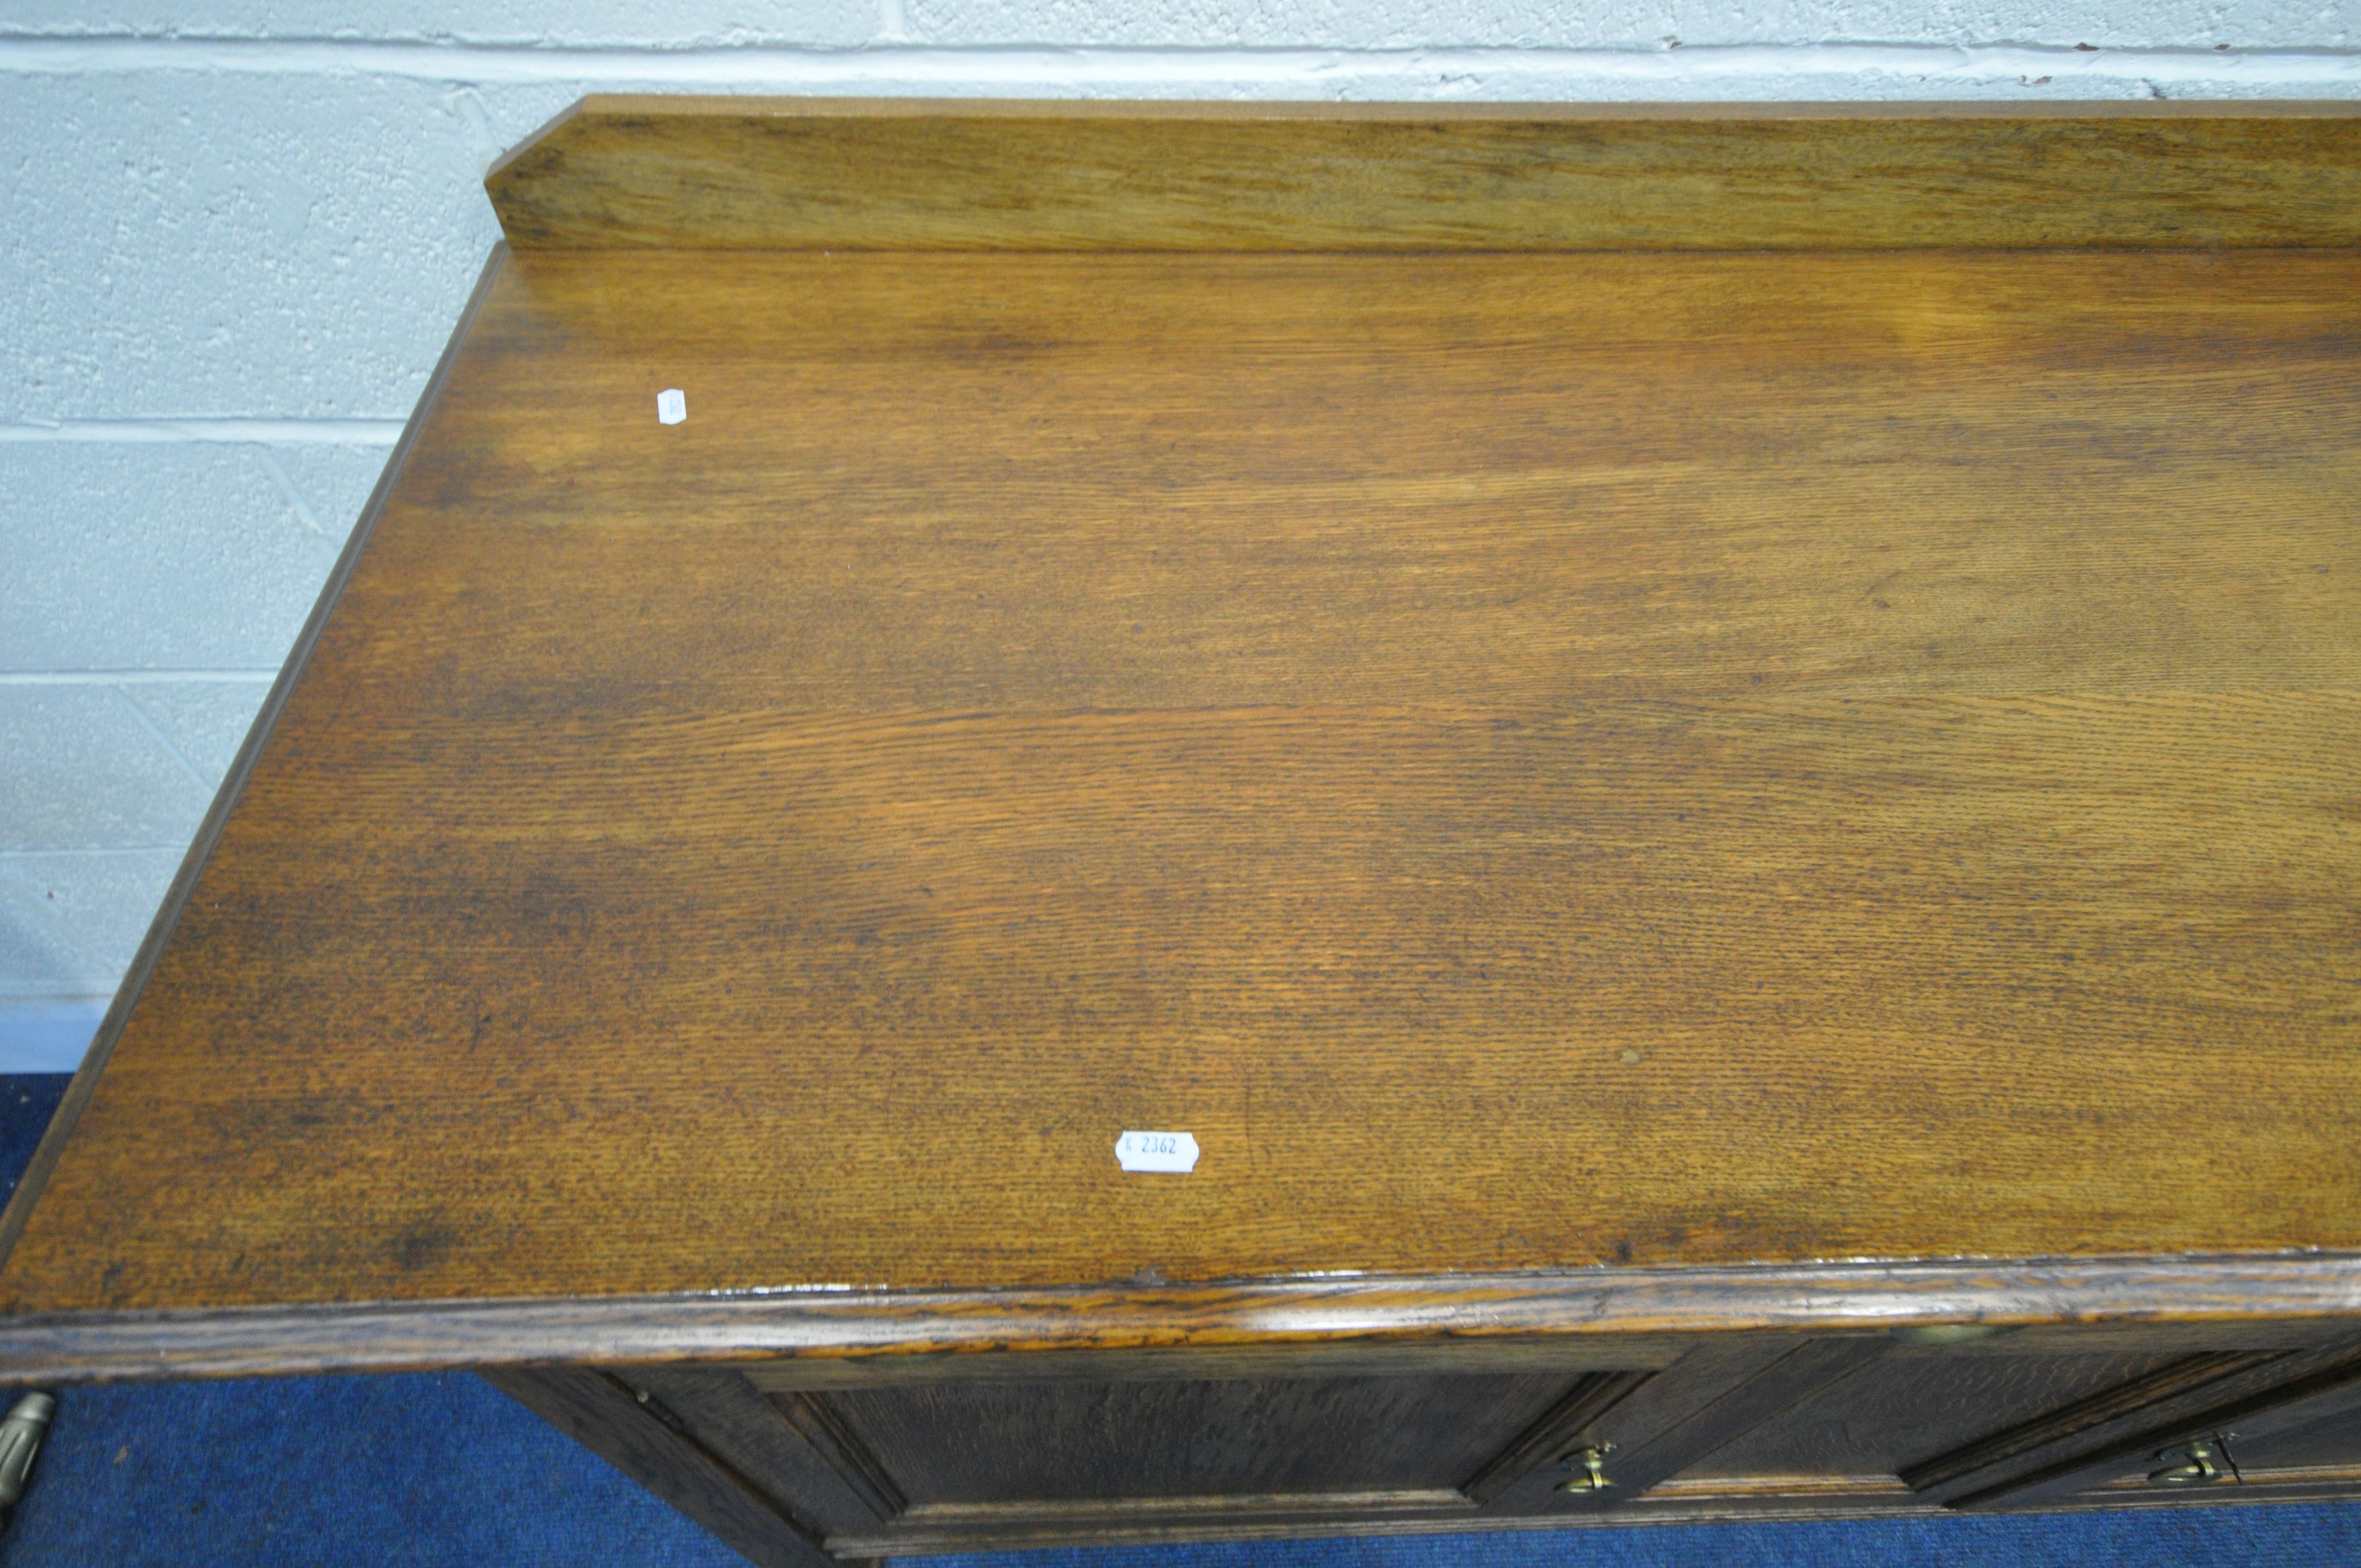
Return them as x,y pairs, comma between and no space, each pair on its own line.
1592,1461
2202,1462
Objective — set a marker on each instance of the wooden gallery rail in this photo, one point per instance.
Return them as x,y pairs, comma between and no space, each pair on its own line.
1027,823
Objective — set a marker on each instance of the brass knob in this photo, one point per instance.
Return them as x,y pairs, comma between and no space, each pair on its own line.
1590,1464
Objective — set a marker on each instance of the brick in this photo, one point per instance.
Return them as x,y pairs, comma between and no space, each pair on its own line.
116,557
82,769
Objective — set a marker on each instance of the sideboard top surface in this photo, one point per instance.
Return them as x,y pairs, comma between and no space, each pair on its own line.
1534,760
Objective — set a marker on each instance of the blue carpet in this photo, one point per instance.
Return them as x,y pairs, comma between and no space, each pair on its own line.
27,1101
441,1470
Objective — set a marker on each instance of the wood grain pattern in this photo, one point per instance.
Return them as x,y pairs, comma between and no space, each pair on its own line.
1743,1425
1667,1407
1077,1460
2068,1450
1081,1460
821,1424
1916,1404
1023,1444
2033,1444
2252,1401
723,1413
1560,1428
1803,1372
1474,1350
1538,761
1595,1317
916,174
648,1444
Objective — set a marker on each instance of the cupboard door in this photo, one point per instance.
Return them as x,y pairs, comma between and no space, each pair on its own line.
976,1465
2306,1446
2112,1433
2319,1436
1870,1425
1067,1443
1718,1393
1721,1426
1855,1435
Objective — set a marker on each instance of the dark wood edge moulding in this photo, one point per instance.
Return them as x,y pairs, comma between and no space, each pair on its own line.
1861,1298
184,881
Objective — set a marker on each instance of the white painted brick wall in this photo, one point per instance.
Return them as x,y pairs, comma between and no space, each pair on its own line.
237,233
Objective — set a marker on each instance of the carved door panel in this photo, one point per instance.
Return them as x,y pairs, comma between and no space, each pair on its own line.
1856,1425
1722,1392
1118,1449
1851,1438
2298,1445
2116,1430
970,1465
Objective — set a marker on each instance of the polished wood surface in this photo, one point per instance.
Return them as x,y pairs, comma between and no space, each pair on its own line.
1668,821
1585,1317
1537,761
1919,1402
919,174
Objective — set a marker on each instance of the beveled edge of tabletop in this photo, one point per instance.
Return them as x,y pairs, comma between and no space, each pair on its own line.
852,1321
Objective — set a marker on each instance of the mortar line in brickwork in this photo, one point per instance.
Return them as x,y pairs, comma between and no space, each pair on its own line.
236,431
136,678
1310,70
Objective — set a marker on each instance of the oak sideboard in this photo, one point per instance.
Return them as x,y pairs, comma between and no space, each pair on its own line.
1035,823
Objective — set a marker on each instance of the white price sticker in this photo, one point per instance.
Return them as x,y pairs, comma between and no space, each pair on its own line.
1172,1152
671,406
